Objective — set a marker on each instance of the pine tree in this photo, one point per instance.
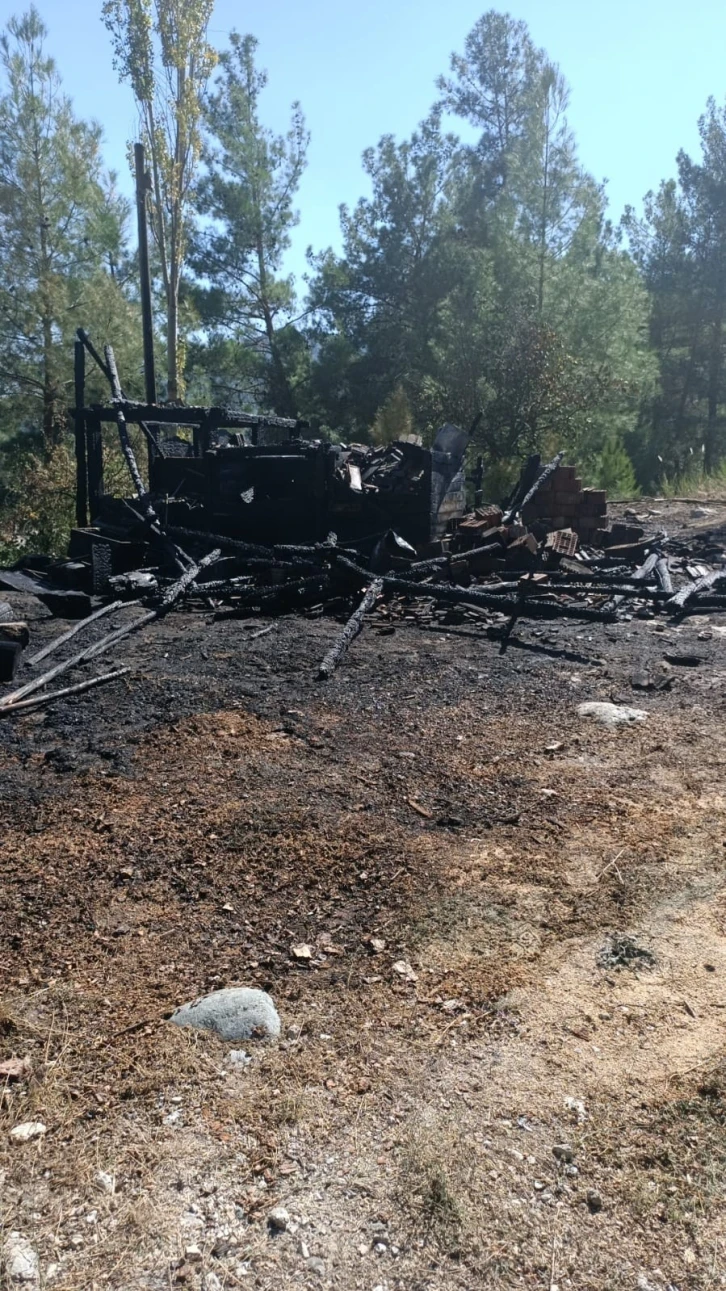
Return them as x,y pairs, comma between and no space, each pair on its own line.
247,200
61,232
680,247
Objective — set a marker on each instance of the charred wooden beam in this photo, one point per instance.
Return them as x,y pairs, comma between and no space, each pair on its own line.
663,574
77,627
350,631
79,375
219,540
39,700
90,652
183,415
123,434
682,597
173,593
641,575
544,475
458,558
529,608
94,454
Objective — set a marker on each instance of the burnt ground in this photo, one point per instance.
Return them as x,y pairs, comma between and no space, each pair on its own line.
460,851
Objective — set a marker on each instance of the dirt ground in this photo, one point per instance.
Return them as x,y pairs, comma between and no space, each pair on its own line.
517,923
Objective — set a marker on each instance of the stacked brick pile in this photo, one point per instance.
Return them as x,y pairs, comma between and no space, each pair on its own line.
562,503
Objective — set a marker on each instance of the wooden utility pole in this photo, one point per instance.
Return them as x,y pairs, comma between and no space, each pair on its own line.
143,184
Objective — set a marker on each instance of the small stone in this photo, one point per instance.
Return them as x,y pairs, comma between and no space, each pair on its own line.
239,1058
301,951
106,1181
305,1250
563,1151
380,1248
404,969
538,1185
377,945
571,1171
316,1266
211,1282
278,1219
237,1013
27,1131
577,1107
20,1261
15,1069
611,714
193,1254
364,1248
594,1201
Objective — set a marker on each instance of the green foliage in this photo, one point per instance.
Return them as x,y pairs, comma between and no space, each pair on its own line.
614,471
484,277
38,502
393,420
246,199
160,48
679,246
61,234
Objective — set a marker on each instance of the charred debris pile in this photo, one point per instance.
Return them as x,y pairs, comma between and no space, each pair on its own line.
234,525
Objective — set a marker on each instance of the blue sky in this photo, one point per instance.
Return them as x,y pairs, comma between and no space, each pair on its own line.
639,70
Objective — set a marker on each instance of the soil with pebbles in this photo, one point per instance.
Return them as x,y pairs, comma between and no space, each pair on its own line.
456,848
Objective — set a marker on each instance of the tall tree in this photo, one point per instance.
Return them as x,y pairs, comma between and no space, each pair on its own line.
247,198
160,48
484,276
61,230
680,246
379,302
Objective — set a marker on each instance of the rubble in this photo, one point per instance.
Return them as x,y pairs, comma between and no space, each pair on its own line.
239,527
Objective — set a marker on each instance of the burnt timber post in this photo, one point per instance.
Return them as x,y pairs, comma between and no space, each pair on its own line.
143,184
94,442
79,372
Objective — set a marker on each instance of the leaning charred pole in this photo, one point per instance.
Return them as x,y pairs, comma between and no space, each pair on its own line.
350,631
542,478
123,434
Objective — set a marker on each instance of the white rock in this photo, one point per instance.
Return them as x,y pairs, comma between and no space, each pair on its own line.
27,1131
611,714
301,951
577,1106
211,1282
20,1260
279,1219
236,1013
239,1058
404,969
106,1181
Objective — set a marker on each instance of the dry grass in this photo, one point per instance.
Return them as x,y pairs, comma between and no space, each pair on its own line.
435,1183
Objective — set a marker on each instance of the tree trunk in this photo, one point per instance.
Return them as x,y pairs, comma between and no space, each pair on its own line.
172,339
283,398
715,360
543,217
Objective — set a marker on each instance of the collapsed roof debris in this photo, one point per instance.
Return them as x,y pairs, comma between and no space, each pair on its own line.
547,553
